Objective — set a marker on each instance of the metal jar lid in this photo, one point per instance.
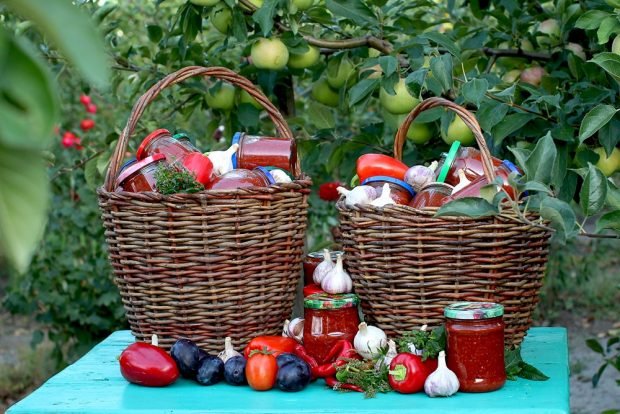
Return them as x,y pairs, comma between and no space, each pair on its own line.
329,301
473,310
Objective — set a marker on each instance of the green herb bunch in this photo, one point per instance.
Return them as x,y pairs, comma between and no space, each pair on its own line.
173,181
430,342
364,375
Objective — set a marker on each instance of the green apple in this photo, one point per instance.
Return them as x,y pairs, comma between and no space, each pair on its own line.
302,4
533,75
223,98
419,133
339,71
372,52
511,76
269,54
551,29
615,46
221,17
400,103
608,165
577,50
323,93
526,45
374,72
256,3
204,2
304,60
458,131
246,98
613,3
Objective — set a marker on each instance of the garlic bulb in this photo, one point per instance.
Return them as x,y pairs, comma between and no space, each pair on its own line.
280,176
337,280
389,356
222,160
418,176
287,323
362,194
296,329
368,340
463,181
385,198
228,351
443,382
323,268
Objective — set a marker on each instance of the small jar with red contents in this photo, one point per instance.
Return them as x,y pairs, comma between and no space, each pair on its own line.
161,141
432,195
468,159
328,319
400,191
503,171
475,345
312,260
140,175
242,178
258,151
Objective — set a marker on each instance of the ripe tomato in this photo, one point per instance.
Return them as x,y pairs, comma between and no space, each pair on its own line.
261,371
329,192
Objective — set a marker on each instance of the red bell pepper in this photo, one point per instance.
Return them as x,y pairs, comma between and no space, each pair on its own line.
407,373
311,289
149,365
371,165
275,344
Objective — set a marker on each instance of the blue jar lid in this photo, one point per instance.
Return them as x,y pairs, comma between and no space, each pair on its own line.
128,163
392,180
235,140
267,174
513,168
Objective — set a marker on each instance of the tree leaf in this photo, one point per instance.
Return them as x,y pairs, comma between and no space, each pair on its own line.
594,120
613,195
441,66
72,31
239,28
593,191
609,26
154,32
508,125
321,116
388,64
23,204
597,377
264,16
362,89
591,19
415,80
541,161
490,113
535,186
354,10
609,136
474,90
443,40
610,221
531,373
521,156
473,207
610,62
561,216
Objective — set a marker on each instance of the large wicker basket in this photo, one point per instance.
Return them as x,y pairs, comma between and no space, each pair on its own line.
208,265
407,265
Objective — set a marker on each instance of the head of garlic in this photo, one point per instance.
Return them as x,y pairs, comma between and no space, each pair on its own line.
337,280
443,382
222,160
369,340
418,176
280,176
389,356
362,194
296,329
229,350
323,268
385,198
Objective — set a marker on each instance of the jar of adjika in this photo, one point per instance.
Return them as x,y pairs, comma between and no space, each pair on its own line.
400,191
475,345
468,159
432,195
312,260
140,175
503,171
328,319
161,141
242,178
257,151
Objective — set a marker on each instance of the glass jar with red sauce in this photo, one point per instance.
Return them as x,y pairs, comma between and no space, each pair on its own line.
140,175
475,345
400,191
242,178
432,195
312,260
329,318
503,171
257,151
161,141
468,159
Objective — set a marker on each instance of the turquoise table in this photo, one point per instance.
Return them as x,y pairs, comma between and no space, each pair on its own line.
94,385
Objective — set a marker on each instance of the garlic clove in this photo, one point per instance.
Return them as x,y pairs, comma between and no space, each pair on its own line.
337,280
323,268
280,176
222,160
362,194
385,198
287,323
443,381
296,329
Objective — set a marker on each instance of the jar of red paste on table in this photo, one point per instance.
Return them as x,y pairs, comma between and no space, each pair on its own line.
432,195
161,141
257,151
312,260
468,159
503,171
475,345
400,191
242,178
327,319
140,176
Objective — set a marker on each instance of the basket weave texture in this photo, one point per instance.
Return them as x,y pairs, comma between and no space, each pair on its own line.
407,265
207,265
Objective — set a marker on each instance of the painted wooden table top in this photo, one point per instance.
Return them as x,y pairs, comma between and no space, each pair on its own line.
94,385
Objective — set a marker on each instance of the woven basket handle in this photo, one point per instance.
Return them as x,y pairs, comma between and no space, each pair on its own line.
468,118
179,76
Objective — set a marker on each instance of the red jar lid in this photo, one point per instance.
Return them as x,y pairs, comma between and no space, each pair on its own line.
140,154
137,166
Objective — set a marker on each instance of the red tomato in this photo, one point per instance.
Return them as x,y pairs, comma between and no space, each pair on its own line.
329,192
148,365
85,100
261,371
91,108
87,124
372,165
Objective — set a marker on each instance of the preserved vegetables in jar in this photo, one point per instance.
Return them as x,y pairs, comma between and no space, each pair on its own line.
161,141
468,159
258,151
140,175
242,178
329,318
475,345
400,191
432,195
473,188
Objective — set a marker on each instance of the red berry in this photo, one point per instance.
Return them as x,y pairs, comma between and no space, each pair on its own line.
329,192
91,108
85,99
67,142
70,140
87,124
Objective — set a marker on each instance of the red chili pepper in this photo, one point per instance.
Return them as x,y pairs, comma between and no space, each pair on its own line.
276,344
148,365
371,165
407,373
333,383
301,352
312,289
337,356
